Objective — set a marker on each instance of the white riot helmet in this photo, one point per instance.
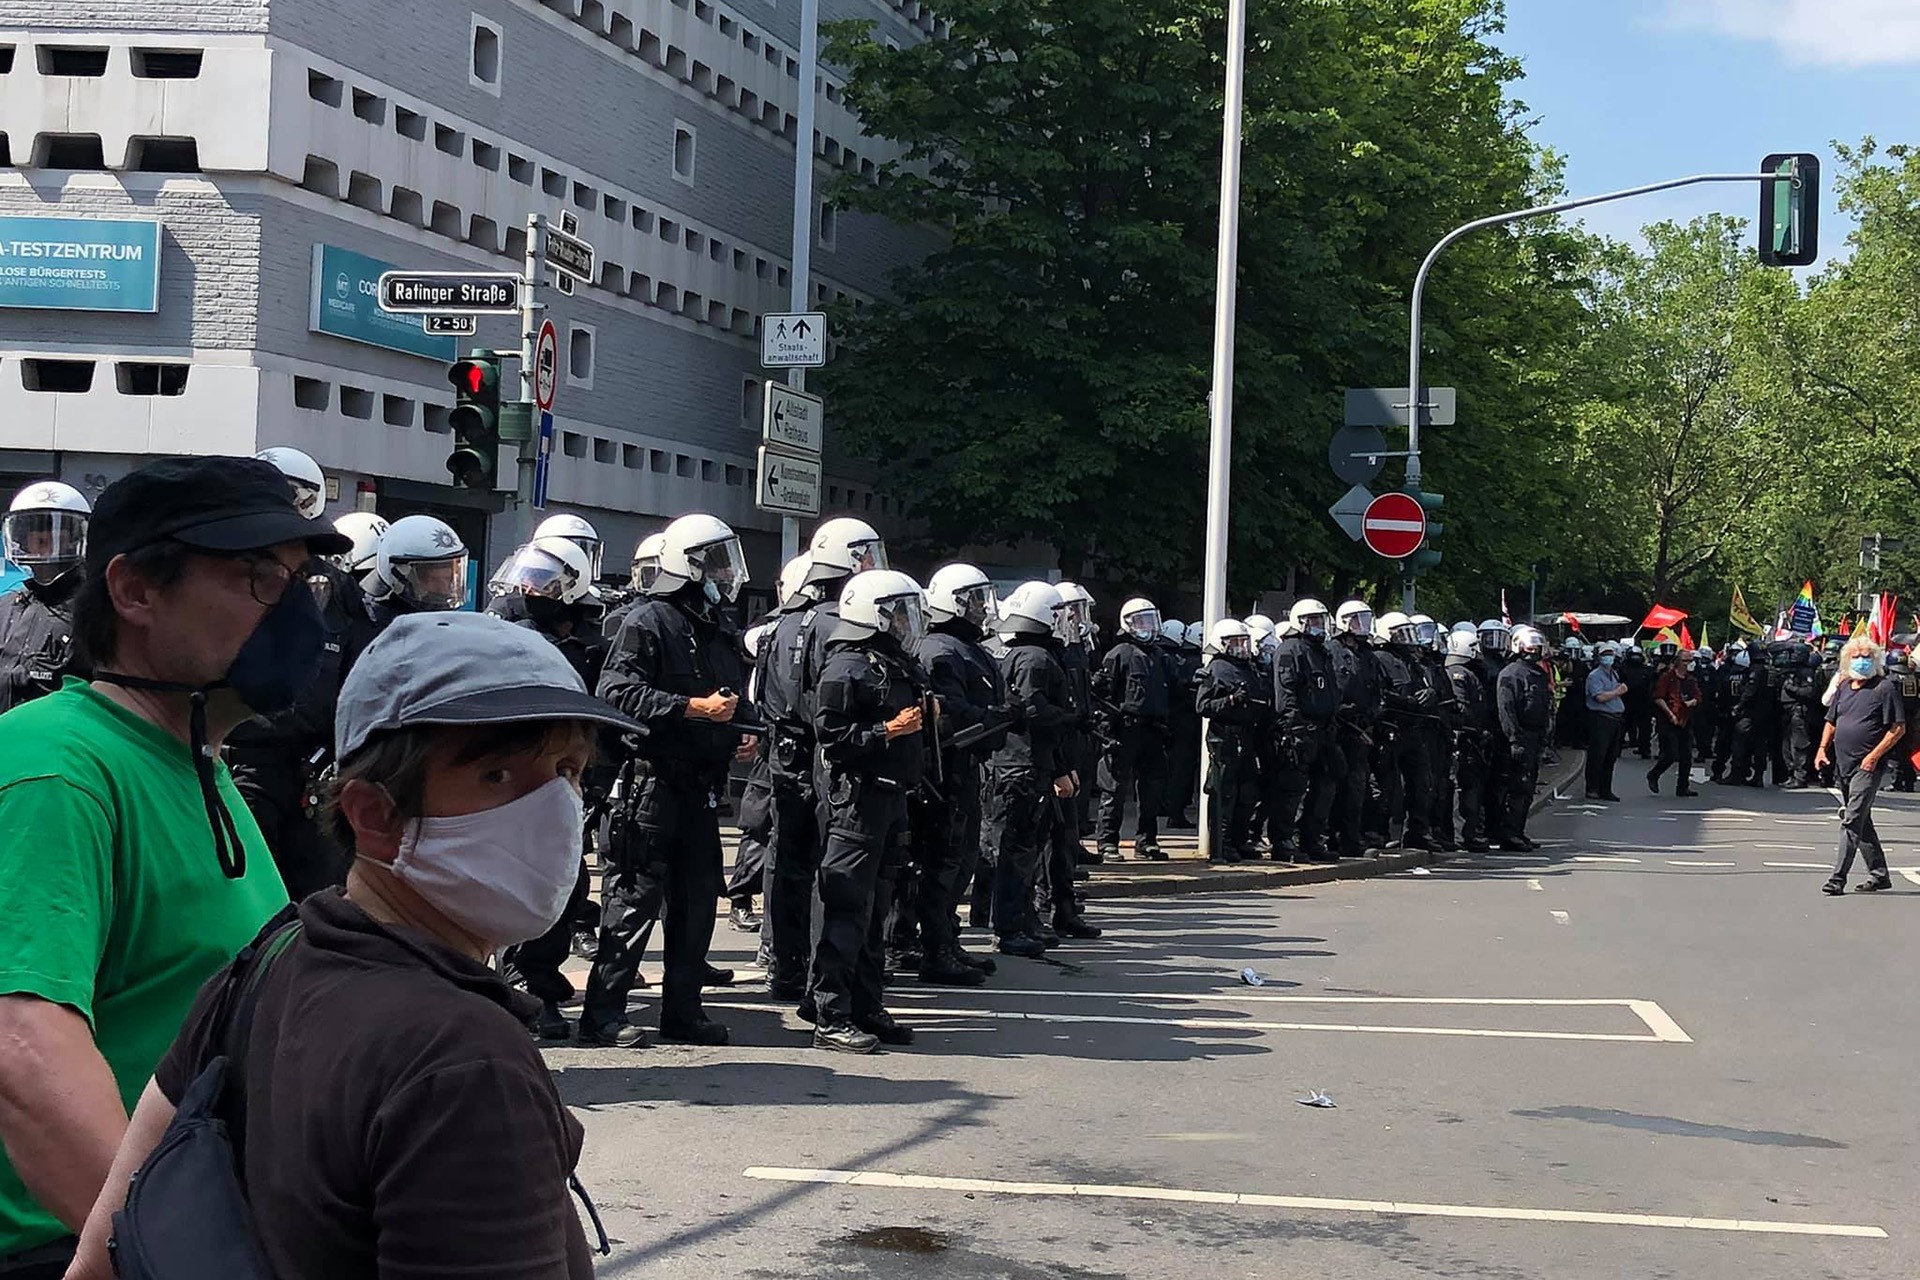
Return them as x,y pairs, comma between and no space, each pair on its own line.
577,531
423,561
1265,637
554,569
45,529
364,529
793,580
1394,628
1076,613
304,478
702,549
1286,630
1196,636
1310,616
1173,632
962,591
844,546
1140,619
646,562
1463,644
1231,639
883,602
1495,636
1528,643
1355,618
1427,633
1031,609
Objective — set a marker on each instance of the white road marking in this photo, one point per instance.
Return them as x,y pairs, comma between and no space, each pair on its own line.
1107,1191
1682,862
1781,846
1603,857
1664,1028
1911,873
1798,866
1560,917
1535,884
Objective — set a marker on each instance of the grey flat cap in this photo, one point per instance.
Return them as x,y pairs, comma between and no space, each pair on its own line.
461,668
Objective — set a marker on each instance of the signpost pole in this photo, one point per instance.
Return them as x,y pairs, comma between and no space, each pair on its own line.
802,215
530,309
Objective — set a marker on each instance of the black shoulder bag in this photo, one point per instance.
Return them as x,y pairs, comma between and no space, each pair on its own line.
186,1215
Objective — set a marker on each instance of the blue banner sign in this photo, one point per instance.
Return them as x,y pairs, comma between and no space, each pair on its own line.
79,264
346,304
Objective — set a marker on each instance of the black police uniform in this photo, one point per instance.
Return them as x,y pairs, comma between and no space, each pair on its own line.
1055,896
36,639
1637,732
1446,712
1801,713
1706,716
1403,763
1183,726
1355,726
1306,698
1024,769
276,760
865,779
1473,736
1907,680
793,837
1499,753
665,841
1524,698
1132,679
1748,703
946,823
1228,700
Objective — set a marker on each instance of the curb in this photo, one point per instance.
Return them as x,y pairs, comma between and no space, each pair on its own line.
1204,879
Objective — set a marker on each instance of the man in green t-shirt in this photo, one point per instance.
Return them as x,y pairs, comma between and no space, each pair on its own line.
129,866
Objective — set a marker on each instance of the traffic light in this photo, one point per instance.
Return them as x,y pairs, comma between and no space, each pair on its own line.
1428,556
475,460
1790,210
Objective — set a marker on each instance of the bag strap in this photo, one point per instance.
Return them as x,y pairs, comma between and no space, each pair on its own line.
233,1027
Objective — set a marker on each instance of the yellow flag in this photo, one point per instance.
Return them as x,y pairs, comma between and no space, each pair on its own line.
1742,618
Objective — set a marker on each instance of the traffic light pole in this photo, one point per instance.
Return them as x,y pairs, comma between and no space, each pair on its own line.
1414,405
530,309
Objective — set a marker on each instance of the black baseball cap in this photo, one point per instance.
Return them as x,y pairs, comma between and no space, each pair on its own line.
219,505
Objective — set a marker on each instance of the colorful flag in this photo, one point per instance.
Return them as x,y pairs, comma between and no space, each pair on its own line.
1846,628
1661,616
1881,628
1686,641
1572,622
1804,618
1742,617
1704,642
1505,617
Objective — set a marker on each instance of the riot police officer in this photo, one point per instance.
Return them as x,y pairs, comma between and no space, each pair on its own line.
1524,700
422,568
1132,686
1472,735
870,726
1439,732
579,531
1638,677
1306,698
1355,724
277,760
1183,753
1403,768
675,666
1739,754
1226,701
44,532
1032,771
1496,639
1801,714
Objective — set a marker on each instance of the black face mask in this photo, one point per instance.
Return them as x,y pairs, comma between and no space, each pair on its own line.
273,668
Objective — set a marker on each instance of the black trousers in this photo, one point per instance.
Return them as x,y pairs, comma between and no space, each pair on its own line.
1183,764
538,961
1440,752
946,845
1227,759
274,785
792,861
1797,742
1133,765
1497,756
1024,814
664,863
1404,776
1352,770
756,832
1307,766
1470,782
1676,752
866,844
1603,751
1746,751
1636,724
1524,756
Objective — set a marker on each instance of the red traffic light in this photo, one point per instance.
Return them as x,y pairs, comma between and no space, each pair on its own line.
471,376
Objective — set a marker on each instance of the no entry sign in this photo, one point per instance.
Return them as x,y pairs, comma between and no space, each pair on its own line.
1394,526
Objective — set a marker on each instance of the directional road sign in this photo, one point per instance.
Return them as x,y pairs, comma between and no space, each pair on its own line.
570,254
1347,512
793,419
1357,454
1387,407
546,367
788,484
543,461
445,325
1394,526
428,292
793,340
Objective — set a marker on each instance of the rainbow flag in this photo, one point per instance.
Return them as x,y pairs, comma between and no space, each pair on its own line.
1804,617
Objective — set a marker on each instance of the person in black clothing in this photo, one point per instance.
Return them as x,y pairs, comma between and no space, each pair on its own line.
1306,699
1439,732
1472,736
675,666
45,532
422,568
1864,722
1132,688
1638,677
1033,770
1800,711
1403,765
1183,753
869,722
1525,703
946,819
1496,642
1227,702
1745,704
1906,677
1355,724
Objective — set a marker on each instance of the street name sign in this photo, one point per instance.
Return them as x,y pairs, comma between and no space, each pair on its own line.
427,292
788,484
793,420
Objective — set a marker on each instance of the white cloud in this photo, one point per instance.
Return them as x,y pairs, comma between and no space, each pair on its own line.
1841,33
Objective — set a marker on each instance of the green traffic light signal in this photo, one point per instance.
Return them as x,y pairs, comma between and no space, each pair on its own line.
1428,556
475,419
1790,210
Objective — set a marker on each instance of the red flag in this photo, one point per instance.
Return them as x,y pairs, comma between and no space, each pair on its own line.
1572,622
1686,640
1846,627
1661,616
1883,617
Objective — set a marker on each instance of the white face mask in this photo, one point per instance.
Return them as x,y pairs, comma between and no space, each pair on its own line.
502,874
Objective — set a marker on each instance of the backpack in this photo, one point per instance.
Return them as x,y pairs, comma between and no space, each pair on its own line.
186,1215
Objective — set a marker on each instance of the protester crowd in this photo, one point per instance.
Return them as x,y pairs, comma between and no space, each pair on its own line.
299,846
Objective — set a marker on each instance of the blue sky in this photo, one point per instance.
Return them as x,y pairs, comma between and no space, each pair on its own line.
1637,91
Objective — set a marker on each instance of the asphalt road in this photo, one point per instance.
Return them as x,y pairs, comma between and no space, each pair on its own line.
1700,1059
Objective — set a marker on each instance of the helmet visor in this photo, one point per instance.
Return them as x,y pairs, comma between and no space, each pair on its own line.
645,570
1425,633
1237,647
724,564
1360,624
595,550
534,572
45,537
979,605
310,498
1405,633
1145,622
1494,639
868,555
432,585
902,618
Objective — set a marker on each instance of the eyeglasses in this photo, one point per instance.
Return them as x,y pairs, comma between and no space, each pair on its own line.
268,578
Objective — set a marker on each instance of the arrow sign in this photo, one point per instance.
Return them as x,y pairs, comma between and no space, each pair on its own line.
793,420
787,484
1347,512
1394,526
793,340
